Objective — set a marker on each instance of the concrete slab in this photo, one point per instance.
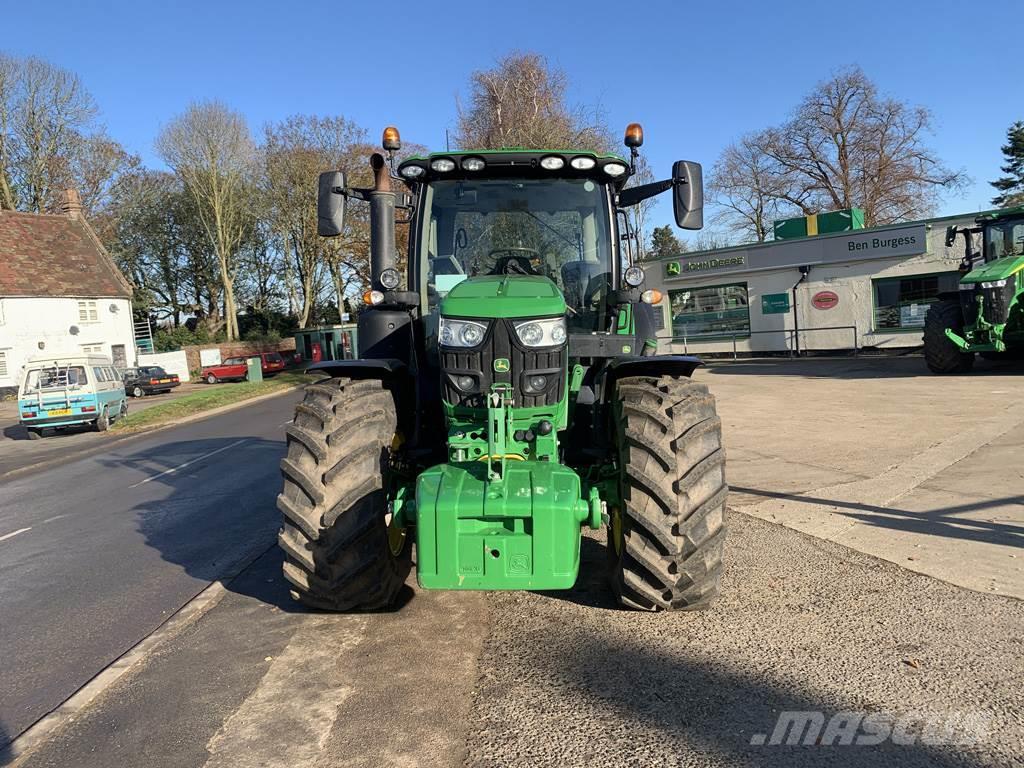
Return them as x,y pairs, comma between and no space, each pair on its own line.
878,455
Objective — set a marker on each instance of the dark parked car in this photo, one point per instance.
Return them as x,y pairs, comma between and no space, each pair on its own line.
148,380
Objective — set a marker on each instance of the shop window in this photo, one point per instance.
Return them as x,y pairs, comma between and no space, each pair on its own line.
902,302
710,311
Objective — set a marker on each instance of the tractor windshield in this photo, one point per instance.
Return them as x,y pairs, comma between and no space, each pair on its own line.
556,228
1004,238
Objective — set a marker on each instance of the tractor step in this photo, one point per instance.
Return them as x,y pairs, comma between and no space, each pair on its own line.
522,532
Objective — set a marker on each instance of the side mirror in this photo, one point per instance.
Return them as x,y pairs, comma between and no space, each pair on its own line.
688,194
950,236
330,204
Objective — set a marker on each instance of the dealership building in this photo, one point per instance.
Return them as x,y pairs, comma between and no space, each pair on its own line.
847,290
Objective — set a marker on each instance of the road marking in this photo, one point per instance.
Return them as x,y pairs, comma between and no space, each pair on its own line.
55,517
172,470
12,534
287,422
287,721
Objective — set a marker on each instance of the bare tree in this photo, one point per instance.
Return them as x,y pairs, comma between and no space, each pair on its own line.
210,149
8,73
521,102
294,153
845,146
50,141
748,188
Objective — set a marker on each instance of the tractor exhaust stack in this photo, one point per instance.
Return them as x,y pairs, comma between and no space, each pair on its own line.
382,221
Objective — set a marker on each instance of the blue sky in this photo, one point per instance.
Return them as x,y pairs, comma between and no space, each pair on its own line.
695,74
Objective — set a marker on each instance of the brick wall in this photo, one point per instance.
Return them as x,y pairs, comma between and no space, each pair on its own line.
237,349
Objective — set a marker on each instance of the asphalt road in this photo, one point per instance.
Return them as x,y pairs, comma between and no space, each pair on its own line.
95,553
566,678
17,452
499,679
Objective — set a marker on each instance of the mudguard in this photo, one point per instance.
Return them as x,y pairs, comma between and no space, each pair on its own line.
385,369
655,365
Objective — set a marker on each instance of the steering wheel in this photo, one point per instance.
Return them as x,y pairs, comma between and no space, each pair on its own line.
516,263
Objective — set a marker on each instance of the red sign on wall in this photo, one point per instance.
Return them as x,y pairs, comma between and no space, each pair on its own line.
825,299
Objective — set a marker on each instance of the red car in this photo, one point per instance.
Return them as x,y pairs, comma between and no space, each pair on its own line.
236,368
232,369
271,363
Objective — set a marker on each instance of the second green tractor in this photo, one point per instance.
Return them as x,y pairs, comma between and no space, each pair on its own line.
507,393
987,315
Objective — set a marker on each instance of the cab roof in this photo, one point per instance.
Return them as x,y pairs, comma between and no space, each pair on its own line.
516,162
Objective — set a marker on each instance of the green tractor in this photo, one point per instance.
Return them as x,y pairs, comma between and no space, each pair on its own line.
506,394
988,315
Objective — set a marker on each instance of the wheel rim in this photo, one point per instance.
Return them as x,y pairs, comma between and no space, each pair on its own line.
396,535
137,391
615,515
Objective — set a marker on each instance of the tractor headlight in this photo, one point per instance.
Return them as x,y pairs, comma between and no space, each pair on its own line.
411,171
390,278
442,165
541,333
994,284
615,169
461,333
552,163
583,163
473,164
633,277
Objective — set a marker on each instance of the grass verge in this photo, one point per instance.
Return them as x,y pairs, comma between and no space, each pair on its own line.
215,396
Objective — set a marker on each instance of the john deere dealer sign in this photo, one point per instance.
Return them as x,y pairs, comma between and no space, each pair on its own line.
909,240
674,268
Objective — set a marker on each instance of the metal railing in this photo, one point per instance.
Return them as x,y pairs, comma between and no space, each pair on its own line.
792,335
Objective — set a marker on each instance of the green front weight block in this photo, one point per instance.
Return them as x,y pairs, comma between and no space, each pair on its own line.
520,533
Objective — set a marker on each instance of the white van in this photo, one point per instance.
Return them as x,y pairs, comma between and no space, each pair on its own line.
69,390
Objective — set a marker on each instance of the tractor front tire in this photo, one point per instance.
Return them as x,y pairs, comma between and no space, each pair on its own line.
340,554
665,542
940,353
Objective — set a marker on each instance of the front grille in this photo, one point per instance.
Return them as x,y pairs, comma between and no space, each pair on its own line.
478,363
996,301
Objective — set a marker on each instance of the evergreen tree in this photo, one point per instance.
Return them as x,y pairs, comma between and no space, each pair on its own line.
1011,186
665,244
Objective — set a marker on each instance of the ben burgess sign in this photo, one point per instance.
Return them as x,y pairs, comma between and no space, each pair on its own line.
910,240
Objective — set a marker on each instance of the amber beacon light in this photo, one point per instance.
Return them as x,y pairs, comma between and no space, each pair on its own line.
634,135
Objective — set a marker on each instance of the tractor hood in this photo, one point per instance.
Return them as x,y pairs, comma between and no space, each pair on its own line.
999,269
504,296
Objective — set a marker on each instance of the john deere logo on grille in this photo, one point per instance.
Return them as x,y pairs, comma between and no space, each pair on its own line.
501,365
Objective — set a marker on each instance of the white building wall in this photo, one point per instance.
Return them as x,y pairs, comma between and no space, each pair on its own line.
851,281
34,326
172,362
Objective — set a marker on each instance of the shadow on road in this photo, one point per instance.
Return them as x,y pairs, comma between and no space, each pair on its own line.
214,512
18,432
591,589
853,368
940,522
716,709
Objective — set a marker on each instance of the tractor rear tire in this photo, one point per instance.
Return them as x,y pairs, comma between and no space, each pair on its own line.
665,543
338,552
940,353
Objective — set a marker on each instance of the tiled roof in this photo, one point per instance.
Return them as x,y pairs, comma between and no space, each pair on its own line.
49,255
